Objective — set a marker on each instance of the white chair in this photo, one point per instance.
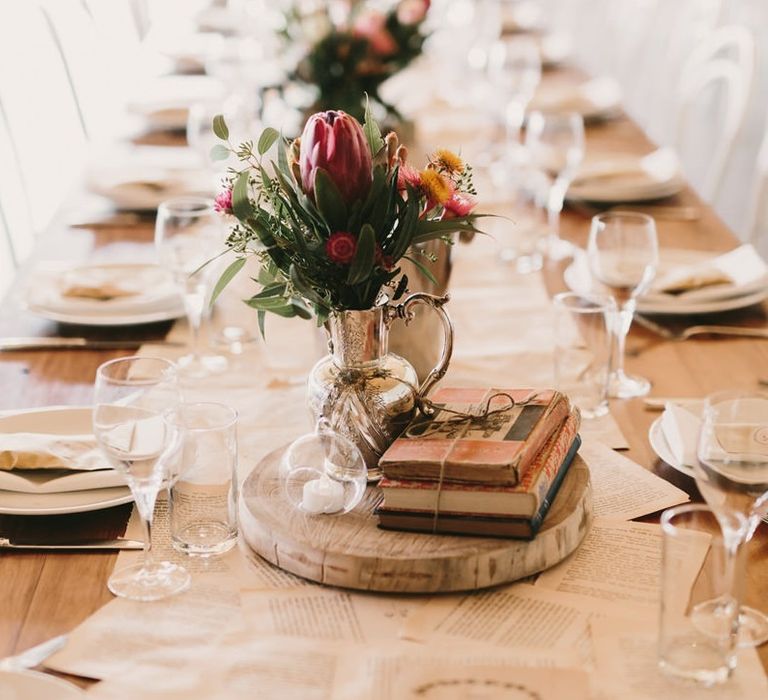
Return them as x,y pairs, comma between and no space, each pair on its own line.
714,91
756,229
40,112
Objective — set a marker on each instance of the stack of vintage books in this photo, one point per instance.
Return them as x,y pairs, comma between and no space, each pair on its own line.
488,462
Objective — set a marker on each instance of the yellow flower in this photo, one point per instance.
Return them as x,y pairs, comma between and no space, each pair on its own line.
435,186
448,160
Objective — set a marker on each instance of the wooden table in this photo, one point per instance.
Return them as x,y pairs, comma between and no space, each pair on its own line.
48,594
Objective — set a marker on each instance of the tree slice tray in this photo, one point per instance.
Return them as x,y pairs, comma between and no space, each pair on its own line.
351,551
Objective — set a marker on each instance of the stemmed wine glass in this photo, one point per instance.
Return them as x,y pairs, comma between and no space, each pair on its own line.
188,233
731,472
134,404
623,254
555,145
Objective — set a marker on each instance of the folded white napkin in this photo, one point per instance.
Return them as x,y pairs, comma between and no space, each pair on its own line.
680,427
630,171
43,451
739,269
41,481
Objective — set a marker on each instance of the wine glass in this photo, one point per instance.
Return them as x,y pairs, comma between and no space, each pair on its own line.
623,254
514,71
555,144
731,472
188,233
134,403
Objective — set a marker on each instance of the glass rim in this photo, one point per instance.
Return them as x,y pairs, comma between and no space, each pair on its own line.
601,302
623,215
186,205
669,528
554,115
102,370
724,394
225,423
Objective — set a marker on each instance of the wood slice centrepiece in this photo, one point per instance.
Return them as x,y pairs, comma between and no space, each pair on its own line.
350,550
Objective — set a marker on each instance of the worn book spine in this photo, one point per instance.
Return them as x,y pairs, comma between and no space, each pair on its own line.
522,500
480,525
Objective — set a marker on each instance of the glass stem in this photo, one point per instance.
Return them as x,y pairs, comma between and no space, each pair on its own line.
555,206
145,505
194,304
622,323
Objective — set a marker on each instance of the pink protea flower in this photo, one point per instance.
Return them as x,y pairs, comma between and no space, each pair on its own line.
458,205
223,202
334,142
340,247
372,26
412,11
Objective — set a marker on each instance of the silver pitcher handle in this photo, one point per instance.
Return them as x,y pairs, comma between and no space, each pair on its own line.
404,311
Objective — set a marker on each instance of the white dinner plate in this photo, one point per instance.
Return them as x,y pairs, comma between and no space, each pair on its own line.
661,448
599,98
158,300
578,279
44,499
31,685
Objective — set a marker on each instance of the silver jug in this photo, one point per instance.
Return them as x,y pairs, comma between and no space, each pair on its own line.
365,392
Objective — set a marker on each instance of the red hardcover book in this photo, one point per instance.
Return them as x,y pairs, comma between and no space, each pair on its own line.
523,500
495,448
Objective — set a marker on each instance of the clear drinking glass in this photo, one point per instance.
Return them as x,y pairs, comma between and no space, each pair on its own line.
188,233
555,143
203,500
583,345
514,72
623,254
732,474
134,402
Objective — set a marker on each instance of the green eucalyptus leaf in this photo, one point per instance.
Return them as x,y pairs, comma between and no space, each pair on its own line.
226,277
241,203
362,264
371,130
219,152
272,290
331,204
303,286
267,138
220,127
282,159
261,315
422,268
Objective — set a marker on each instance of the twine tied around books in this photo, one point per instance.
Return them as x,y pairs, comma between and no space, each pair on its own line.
471,420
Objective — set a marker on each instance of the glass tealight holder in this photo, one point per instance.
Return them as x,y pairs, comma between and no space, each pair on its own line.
323,473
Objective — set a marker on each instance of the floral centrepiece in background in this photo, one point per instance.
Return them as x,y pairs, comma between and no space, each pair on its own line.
352,47
330,219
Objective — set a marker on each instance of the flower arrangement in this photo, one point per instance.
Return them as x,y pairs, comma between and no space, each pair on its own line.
331,218
356,50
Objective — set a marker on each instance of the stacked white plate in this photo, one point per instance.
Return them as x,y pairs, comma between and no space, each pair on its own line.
149,294
744,269
628,178
53,491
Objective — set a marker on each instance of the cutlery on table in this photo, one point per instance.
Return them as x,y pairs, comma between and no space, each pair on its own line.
33,656
10,344
659,403
686,333
118,543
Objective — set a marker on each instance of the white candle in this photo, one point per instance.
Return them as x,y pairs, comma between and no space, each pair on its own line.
322,495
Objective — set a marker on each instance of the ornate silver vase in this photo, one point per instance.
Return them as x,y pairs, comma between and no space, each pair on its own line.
365,392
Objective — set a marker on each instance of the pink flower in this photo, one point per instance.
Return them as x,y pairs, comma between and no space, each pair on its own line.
340,247
408,177
458,205
334,142
223,202
412,11
372,26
